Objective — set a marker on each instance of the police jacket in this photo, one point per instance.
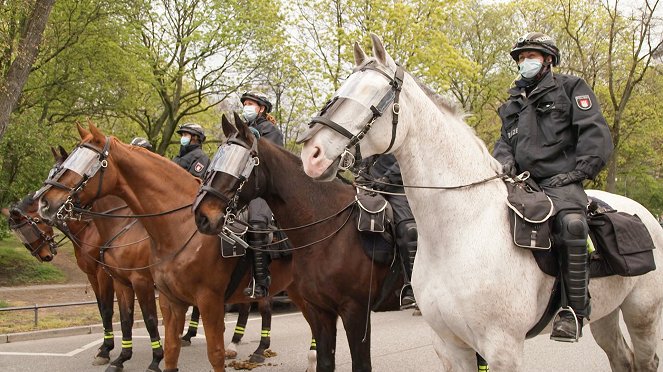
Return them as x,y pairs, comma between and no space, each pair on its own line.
558,128
385,166
268,130
193,159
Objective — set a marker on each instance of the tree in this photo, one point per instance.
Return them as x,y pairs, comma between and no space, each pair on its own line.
22,58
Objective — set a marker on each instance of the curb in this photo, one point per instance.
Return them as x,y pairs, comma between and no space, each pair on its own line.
63,332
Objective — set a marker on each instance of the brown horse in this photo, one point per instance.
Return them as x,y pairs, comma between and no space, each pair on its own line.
186,266
334,275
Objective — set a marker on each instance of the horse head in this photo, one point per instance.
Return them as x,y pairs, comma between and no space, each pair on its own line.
30,229
224,193
82,177
370,98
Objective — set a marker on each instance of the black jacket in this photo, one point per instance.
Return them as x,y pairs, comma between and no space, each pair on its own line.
385,166
193,159
268,130
556,129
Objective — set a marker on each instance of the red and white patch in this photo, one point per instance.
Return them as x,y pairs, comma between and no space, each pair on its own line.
198,167
584,102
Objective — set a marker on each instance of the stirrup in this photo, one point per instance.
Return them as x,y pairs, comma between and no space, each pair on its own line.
250,291
557,317
411,301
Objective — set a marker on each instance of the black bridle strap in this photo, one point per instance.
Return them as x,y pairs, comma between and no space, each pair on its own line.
397,83
324,121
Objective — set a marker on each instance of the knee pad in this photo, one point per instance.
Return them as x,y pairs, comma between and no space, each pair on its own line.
572,225
406,234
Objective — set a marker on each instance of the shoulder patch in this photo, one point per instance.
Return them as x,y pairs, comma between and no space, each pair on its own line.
584,102
198,167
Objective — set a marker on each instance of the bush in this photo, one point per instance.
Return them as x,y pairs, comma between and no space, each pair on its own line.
18,267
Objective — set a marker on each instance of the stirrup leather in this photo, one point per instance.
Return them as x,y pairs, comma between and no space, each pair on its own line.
556,318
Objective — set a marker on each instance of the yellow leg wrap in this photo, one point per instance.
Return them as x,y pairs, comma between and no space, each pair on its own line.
313,343
108,335
239,330
193,324
126,344
265,333
156,344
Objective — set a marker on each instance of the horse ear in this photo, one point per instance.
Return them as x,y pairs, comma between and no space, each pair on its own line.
360,55
96,133
54,152
242,128
228,128
380,53
82,131
63,152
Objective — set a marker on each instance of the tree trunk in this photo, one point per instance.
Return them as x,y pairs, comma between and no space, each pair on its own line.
28,47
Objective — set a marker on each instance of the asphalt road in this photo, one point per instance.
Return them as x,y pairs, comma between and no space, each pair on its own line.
401,342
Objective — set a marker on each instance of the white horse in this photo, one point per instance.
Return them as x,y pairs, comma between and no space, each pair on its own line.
476,289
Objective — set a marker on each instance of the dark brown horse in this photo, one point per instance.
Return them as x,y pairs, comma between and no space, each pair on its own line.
334,275
186,266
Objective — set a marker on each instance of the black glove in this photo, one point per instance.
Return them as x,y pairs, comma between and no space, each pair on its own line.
509,168
380,184
564,179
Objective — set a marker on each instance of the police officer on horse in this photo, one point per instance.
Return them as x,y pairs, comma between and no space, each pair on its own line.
553,128
191,156
256,112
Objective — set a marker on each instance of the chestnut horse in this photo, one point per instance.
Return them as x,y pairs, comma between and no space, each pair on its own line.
186,266
117,271
334,276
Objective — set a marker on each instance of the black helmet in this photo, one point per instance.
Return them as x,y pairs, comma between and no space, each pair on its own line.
141,142
536,41
258,97
193,129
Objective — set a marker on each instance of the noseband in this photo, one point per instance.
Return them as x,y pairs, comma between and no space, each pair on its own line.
29,226
66,211
347,158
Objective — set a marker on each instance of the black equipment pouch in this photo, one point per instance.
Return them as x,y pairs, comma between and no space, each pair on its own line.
623,241
232,240
530,209
372,212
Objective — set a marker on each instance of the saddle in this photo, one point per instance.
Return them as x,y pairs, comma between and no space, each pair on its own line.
374,218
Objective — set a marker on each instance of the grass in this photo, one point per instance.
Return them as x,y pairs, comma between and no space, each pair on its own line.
18,267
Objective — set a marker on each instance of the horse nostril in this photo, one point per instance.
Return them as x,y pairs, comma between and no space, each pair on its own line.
317,153
48,258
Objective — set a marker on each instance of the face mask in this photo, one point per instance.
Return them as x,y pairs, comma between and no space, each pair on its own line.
249,113
529,68
185,140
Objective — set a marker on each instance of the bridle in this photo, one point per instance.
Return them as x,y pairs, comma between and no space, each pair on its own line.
238,159
347,159
28,228
95,160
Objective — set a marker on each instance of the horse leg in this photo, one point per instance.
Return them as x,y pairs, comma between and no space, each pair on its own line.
174,316
608,336
148,306
265,307
297,299
357,325
240,327
323,324
102,285
212,310
456,357
642,315
125,301
193,327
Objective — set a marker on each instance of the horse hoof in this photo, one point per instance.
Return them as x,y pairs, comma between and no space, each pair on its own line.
112,368
231,354
257,358
153,369
100,361
186,342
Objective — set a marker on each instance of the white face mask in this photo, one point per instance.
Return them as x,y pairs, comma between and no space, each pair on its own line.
249,112
529,68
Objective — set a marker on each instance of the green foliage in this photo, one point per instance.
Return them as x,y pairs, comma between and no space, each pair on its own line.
18,267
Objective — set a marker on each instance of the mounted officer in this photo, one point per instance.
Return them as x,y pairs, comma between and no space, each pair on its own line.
191,156
552,126
141,142
384,169
256,112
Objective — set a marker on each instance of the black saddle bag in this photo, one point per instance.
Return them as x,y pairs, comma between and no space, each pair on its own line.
530,209
623,241
372,212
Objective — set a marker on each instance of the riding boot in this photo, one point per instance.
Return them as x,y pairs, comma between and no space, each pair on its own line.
261,278
568,324
408,249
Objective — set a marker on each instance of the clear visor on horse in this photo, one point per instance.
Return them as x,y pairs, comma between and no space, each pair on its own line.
231,159
27,233
83,161
366,87
346,112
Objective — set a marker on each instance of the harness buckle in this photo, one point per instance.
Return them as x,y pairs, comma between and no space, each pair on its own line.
347,160
396,108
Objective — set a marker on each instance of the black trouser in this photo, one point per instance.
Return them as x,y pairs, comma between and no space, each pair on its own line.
406,232
259,217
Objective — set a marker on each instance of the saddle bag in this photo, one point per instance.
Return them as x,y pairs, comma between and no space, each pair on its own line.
232,240
372,212
530,209
623,241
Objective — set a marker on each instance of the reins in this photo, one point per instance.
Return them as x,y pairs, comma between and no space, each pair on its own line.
87,212
373,180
